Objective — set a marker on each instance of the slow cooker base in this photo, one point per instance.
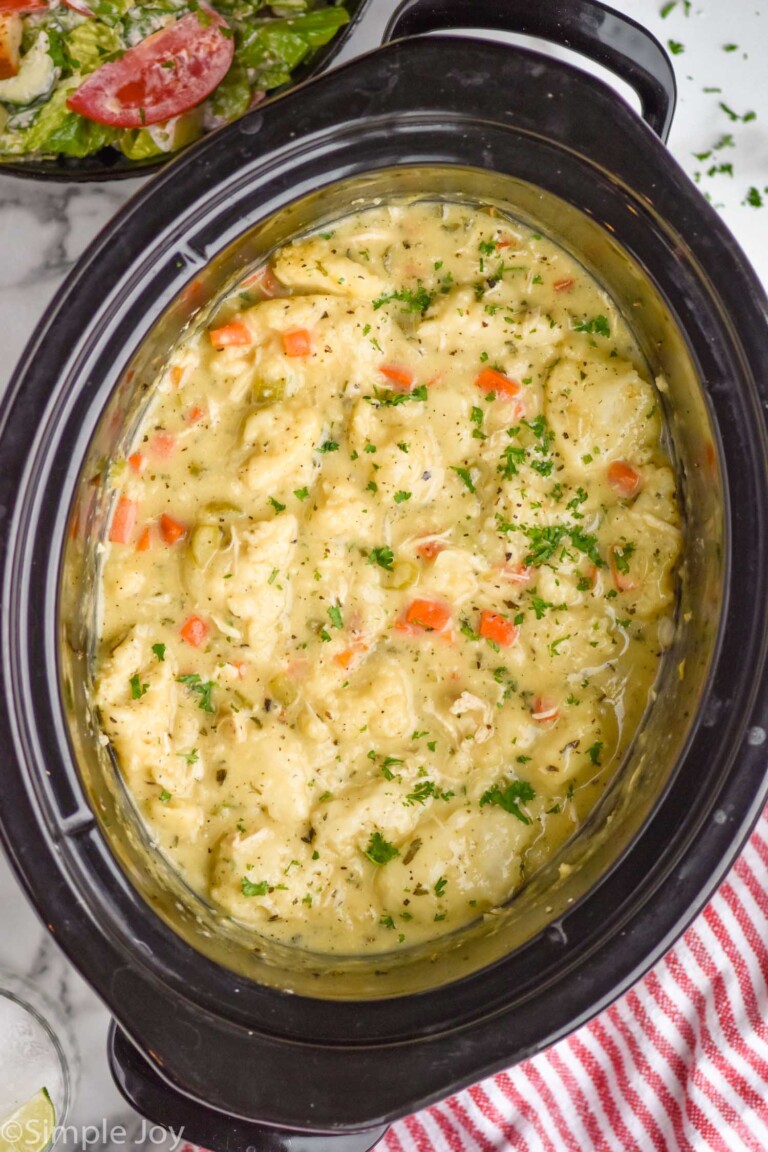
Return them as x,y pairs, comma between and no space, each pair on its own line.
158,1101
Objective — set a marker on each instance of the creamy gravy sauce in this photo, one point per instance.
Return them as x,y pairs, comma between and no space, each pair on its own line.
389,575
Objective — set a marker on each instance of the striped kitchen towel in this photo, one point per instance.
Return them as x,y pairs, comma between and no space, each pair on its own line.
678,1064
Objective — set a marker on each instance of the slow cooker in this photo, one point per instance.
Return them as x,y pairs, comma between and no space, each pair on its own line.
243,1042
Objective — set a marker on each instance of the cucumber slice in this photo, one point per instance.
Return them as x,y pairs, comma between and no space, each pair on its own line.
35,78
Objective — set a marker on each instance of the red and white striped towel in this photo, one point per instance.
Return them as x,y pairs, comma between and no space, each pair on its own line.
678,1064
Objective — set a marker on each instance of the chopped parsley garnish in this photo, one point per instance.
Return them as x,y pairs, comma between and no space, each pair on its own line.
278,507
440,886
383,399
329,446
250,889
387,922
202,688
586,543
400,497
379,850
164,796
594,752
384,557
675,47
301,493
273,575
477,416
540,606
465,476
512,458
467,630
190,757
137,688
621,557
159,651
369,448
509,796
754,199
418,301
598,325
336,618
426,790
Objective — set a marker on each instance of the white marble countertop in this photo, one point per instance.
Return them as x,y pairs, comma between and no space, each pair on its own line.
720,52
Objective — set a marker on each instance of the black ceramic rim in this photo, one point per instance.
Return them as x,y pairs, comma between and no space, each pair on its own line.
170,999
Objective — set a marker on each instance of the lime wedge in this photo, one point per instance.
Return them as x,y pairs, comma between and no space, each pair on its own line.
30,1127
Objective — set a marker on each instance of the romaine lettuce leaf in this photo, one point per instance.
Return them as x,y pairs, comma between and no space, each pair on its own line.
274,47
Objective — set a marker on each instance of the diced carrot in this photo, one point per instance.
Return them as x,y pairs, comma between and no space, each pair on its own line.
194,631
516,573
265,280
171,530
624,478
232,335
195,414
402,378
498,628
241,667
545,709
193,291
163,444
176,375
710,458
297,342
137,462
345,658
622,581
430,549
563,285
424,616
145,541
490,380
506,242
123,521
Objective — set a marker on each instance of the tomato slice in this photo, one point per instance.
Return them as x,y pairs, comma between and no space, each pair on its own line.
166,74
22,6
77,6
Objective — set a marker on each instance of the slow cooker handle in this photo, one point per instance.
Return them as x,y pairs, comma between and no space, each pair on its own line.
197,1123
587,26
